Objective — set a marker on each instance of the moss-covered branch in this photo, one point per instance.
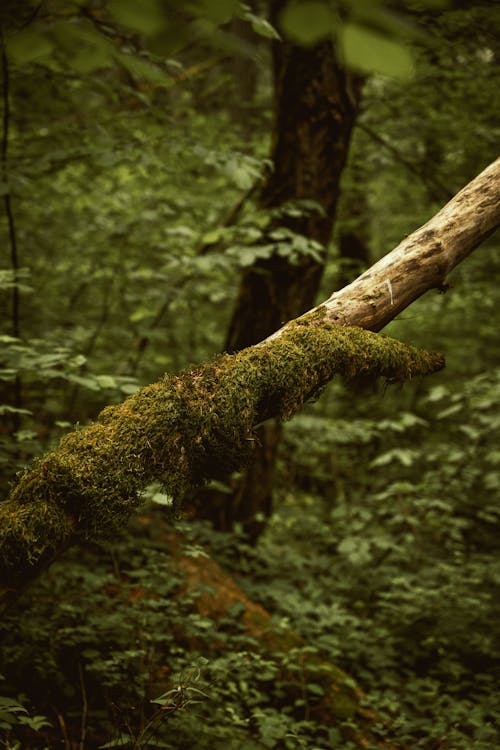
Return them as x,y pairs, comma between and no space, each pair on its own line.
181,431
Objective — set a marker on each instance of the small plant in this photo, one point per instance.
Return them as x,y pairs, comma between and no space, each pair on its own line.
178,698
14,716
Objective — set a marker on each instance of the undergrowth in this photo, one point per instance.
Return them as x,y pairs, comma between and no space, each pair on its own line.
386,567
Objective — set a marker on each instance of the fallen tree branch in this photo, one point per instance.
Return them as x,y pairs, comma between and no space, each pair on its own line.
200,424
423,260
181,431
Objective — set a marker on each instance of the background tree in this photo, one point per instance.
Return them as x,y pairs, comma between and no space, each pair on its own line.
315,104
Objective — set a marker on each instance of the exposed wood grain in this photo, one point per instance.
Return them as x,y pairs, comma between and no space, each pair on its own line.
423,260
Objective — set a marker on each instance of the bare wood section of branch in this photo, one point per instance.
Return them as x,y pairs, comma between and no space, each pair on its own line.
423,260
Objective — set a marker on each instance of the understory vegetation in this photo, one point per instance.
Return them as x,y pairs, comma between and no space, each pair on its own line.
367,612
384,563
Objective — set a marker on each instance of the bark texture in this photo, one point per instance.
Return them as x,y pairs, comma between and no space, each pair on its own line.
423,260
316,104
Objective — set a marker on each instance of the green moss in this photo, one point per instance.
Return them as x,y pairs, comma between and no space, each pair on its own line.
183,430
31,534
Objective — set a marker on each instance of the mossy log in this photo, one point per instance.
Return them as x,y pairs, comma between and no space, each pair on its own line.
182,430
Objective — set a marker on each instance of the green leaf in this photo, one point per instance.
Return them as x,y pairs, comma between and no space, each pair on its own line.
307,22
246,256
106,381
140,314
129,388
315,689
145,16
161,498
219,11
6,339
375,15
372,52
491,480
493,457
84,48
437,393
261,26
89,382
120,741
347,546
22,435
404,456
78,360
9,704
142,68
29,45
35,722
450,411
219,487
212,237
91,653
6,409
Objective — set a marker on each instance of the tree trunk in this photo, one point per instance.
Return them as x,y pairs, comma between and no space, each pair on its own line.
315,109
316,106
199,425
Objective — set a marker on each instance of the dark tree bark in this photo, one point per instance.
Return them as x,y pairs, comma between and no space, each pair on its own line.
316,105
315,109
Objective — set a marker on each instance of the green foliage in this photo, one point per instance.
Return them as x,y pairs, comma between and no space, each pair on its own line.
307,22
124,630
15,718
125,160
372,52
118,221
182,431
412,543
372,36
396,581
